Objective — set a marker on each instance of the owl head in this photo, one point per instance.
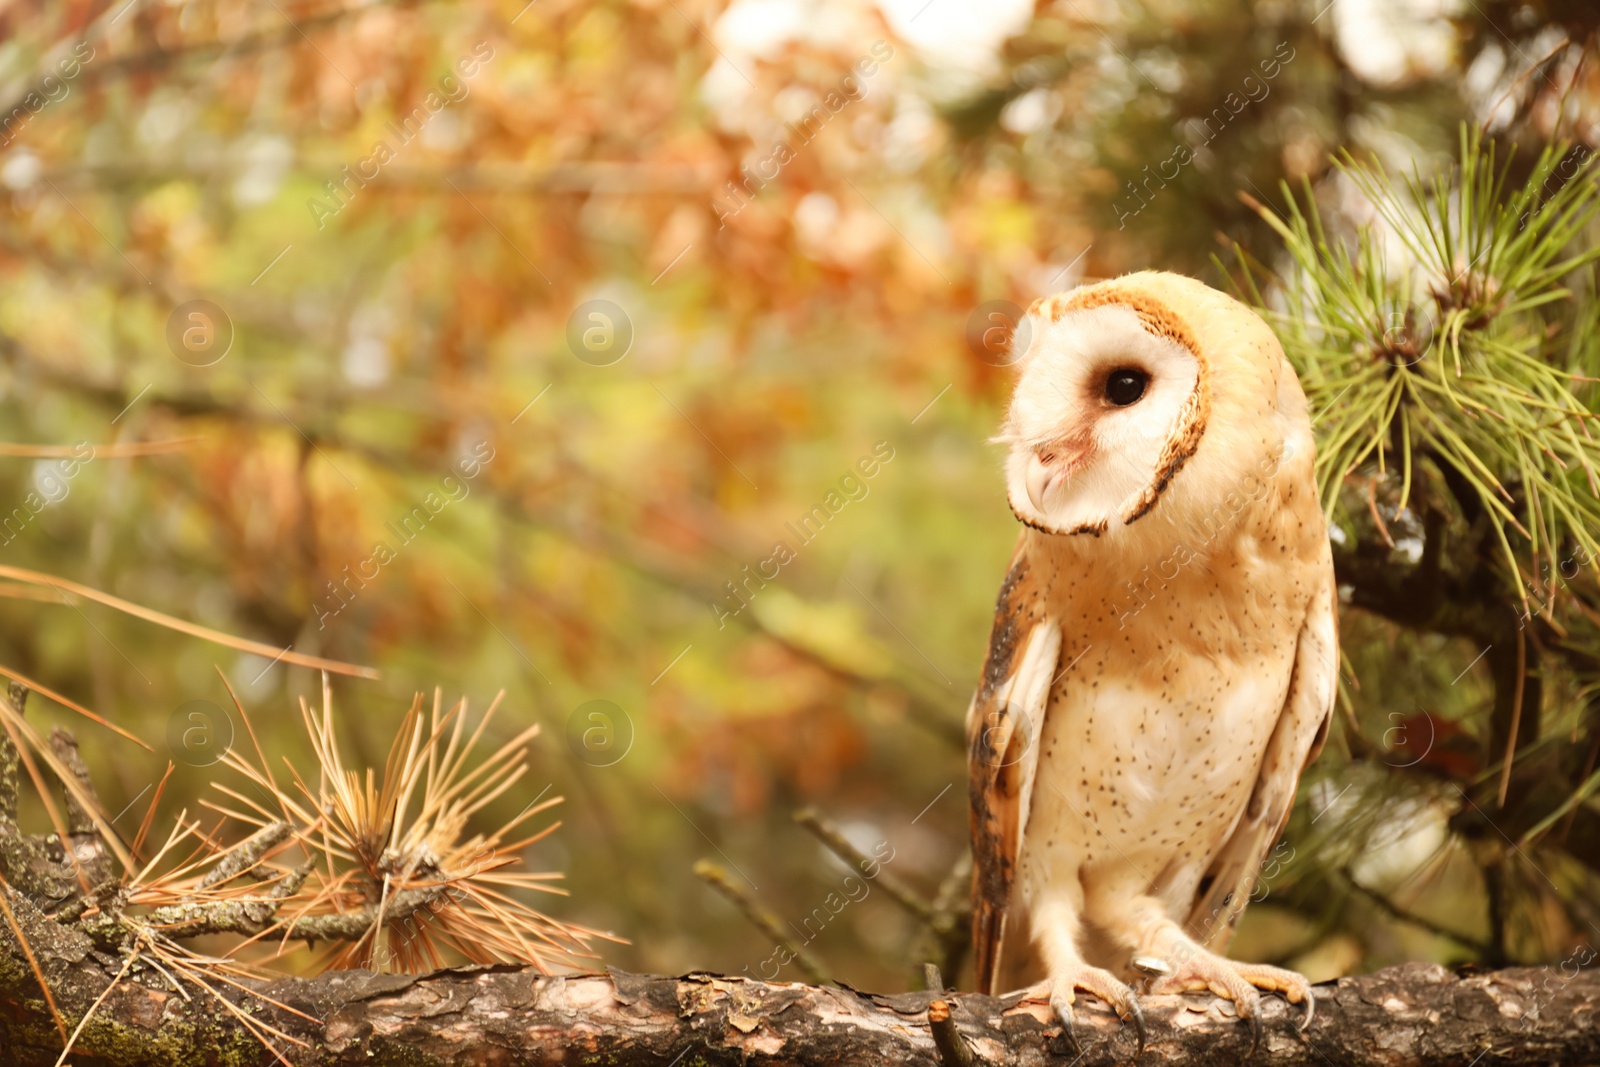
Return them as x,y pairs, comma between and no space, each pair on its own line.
1140,396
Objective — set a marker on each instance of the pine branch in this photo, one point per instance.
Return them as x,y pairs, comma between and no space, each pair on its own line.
255,915
1420,1015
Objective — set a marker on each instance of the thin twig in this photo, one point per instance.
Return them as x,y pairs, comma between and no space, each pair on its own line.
1395,911
953,1050
1531,68
946,936
244,858
1516,715
80,819
17,696
829,834
763,920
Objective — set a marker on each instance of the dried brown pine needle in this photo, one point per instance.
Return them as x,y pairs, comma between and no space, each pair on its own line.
383,867
206,633
380,870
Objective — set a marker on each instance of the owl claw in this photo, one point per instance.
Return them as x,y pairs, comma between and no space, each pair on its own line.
1136,1014
1064,987
1239,983
1065,1014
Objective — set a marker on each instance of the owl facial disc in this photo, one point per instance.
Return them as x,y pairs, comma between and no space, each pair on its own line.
1111,402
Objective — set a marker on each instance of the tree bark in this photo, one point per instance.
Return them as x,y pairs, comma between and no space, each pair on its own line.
1417,1014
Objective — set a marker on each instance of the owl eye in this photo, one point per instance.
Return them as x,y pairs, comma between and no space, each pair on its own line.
1125,386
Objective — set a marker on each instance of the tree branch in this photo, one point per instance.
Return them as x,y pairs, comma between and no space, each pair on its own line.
1417,1014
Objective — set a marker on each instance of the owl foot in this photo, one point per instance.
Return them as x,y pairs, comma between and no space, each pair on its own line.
1064,986
1238,982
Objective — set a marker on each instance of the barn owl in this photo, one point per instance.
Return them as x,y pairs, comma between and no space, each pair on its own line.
1164,653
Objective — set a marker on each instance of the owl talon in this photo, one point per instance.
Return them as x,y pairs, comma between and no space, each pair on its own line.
1064,987
1311,1011
1239,983
1062,1006
1065,1014
1136,1016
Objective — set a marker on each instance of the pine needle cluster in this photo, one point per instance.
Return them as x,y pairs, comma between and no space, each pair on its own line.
1451,332
383,871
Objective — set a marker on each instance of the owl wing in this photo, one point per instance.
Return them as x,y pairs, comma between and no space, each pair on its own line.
1004,722
1302,727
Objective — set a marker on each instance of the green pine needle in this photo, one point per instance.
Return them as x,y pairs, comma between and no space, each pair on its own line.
1459,340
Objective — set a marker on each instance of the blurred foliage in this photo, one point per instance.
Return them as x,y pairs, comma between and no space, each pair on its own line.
797,245
1453,353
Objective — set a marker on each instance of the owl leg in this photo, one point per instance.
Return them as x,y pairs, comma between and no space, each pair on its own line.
1160,944
1056,927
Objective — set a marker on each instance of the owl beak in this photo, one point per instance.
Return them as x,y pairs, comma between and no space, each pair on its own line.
1050,467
